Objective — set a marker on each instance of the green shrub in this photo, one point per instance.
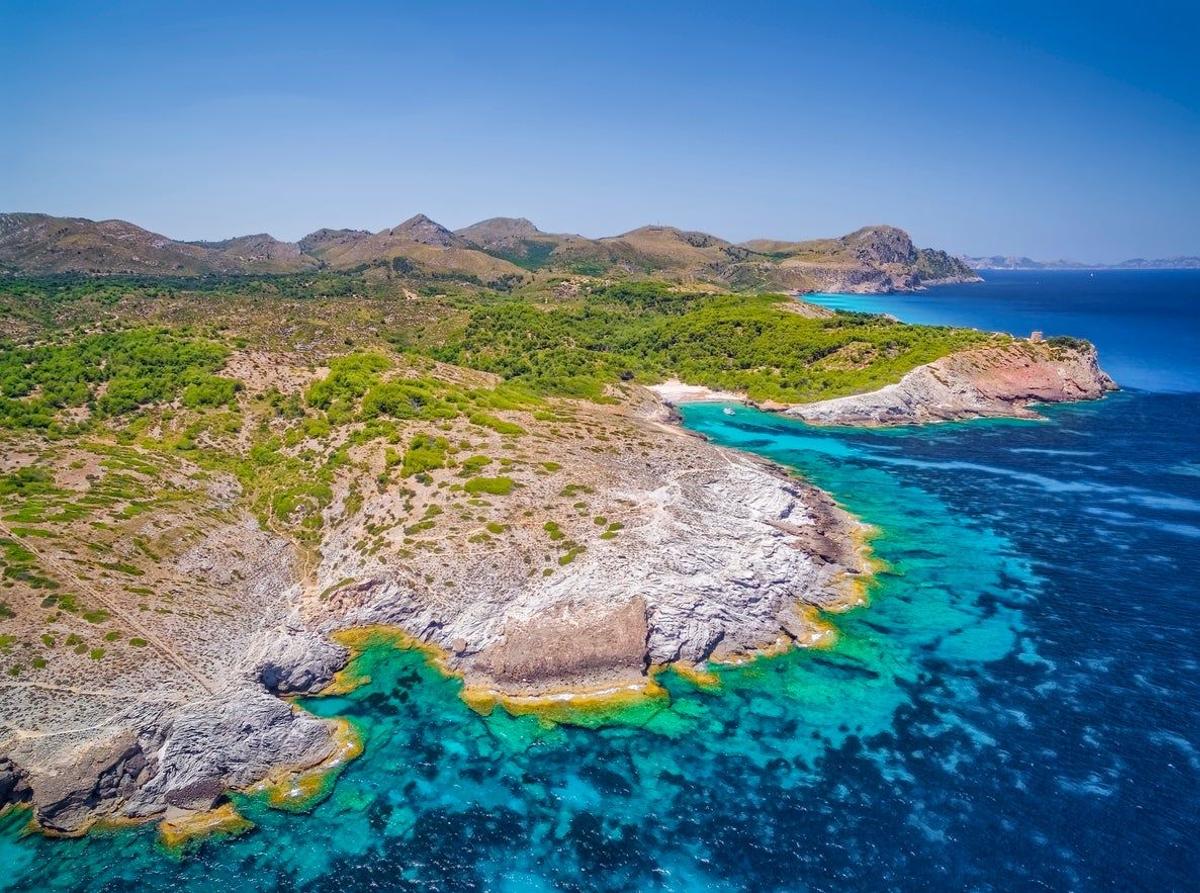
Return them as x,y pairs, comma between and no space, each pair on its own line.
424,453
407,399
498,486
500,426
210,390
474,464
349,378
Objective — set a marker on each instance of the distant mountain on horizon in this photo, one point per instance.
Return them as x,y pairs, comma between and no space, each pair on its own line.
1010,262
499,251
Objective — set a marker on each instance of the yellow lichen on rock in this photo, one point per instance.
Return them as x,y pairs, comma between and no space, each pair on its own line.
856,587
781,645
224,820
359,638
586,706
697,674
822,633
300,790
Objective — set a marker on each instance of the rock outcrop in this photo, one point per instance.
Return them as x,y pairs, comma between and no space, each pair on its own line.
715,552
871,259
182,758
297,660
567,646
1000,381
14,785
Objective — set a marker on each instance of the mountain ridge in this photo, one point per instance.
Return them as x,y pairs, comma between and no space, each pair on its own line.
1015,262
498,250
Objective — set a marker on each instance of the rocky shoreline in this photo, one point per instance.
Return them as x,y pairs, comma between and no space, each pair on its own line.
720,557
1003,381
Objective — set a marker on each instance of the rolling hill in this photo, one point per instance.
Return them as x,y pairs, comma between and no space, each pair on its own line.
499,250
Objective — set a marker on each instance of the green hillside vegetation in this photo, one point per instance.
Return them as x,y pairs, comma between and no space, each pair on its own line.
646,332
110,373
538,340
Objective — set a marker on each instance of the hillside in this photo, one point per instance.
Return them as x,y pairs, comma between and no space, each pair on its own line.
876,258
204,492
500,252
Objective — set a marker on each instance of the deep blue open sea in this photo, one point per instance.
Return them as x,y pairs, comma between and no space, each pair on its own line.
1018,708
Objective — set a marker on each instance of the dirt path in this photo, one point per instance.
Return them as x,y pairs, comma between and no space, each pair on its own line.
63,571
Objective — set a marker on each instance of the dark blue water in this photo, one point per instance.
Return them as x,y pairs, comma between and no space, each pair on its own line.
1143,322
1017,708
1073,762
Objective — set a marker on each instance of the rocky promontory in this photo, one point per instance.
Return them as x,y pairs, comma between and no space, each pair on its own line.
990,382
603,545
544,552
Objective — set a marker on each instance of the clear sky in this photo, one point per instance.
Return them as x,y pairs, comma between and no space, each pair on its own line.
1040,128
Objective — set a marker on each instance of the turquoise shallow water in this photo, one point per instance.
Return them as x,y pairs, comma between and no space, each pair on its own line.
435,773
1017,708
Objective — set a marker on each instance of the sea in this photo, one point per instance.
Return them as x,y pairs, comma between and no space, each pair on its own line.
1017,707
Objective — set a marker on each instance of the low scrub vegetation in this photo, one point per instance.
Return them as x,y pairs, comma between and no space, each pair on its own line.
111,374
497,486
648,333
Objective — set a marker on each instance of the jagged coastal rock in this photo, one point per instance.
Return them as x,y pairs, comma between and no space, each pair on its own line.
297,660
686,552
158,760
1001,381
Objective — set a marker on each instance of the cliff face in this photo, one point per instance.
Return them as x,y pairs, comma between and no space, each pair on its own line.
990,382
868,260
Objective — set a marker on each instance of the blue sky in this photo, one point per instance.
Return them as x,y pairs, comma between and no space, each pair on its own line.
1053,130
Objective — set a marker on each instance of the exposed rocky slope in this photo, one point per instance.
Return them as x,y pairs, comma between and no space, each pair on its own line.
877,258
871,259
418,245
259,253
989,382
39,243
499,250
619,543
714,556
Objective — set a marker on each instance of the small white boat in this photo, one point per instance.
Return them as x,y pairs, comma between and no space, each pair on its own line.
728,410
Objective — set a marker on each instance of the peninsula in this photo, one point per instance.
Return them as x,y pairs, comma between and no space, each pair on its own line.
218,458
